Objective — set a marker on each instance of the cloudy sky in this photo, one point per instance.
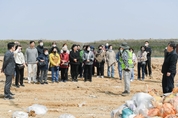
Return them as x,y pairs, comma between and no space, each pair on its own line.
88,20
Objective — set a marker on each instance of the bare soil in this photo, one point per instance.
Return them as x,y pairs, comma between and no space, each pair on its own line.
82,99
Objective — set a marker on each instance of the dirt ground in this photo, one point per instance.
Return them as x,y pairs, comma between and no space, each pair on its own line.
83,100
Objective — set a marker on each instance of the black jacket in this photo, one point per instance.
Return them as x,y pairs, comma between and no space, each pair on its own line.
74,55
170,62
39,49
149,51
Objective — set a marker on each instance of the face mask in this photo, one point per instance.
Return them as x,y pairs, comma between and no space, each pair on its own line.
46,53
88,49
54,45
19,51
121,51
54,51
41,44
146,44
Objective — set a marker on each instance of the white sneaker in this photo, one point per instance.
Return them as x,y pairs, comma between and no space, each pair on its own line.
131,80
29,82
102,77
97,77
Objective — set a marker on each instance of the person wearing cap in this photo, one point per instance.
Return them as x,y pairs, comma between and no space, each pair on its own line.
88,59
74,58
111,60
126,65
100,60
40,51
169,68
141,57
64,64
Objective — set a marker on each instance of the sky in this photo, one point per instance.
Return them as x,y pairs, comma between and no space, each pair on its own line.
88,20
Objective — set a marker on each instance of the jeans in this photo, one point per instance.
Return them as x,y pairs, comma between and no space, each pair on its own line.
132,74
120,71
127,76
43,76
32,70
55,73
139,67
111,73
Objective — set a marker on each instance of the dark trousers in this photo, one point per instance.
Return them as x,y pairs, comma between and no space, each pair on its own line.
44,76
80,69
88,72
74,72
100,69
148,70
7,86
139,67
64,74
168,83
38,73
19,75
93,70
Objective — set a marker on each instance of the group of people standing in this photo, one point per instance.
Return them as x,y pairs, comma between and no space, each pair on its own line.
40,60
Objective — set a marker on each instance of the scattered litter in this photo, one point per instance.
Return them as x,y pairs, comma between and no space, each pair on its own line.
20,114
66,116
39,109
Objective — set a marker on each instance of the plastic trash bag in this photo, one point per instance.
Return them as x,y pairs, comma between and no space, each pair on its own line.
117,112
131,105
39,109
126,113
66,116
20,114
143,98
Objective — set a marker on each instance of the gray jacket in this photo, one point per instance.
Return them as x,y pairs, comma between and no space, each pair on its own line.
31,55
9,63
88,56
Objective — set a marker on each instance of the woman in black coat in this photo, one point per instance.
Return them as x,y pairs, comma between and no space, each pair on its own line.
74,62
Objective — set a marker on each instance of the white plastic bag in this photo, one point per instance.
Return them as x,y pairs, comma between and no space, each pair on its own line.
66,116
131,105
143,98
117,112
19,114
39,109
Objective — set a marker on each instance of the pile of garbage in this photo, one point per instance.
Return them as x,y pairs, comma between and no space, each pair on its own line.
149,105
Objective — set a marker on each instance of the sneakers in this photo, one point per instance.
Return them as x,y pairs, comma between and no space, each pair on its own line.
45,82
102,77
8,97
97,77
